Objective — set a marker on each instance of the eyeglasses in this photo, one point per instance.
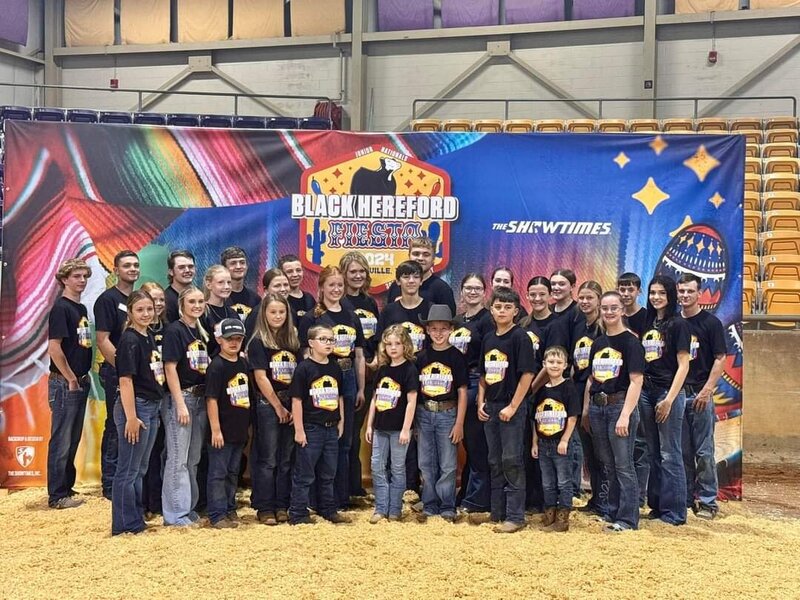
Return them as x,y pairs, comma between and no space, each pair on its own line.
324,340
610,309
472,288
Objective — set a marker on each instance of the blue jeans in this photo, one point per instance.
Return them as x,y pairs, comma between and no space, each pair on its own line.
108,444
438,460
67,410
575,453
184,444
477,494
271,457
223,477
556,474
127,512
507,467
597,475
616,453
666,490
641,462
386,448
698,455
342,481
316,462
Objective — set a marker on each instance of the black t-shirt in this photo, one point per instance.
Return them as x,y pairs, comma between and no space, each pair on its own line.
567,313
184,346
707,342
243,302
613,359
661,343
366,310
278,363
468,335
213,316
69,322
110,313
157,331
576,336
637,321
346,328
301,306
320,388
505,359
392,385
227,382
171,304
441,373
433,289
553,406
409,318
138,357
540,340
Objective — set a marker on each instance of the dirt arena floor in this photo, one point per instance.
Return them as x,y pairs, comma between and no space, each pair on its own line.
750,551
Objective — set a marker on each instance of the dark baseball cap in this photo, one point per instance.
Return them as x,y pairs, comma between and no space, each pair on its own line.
229,328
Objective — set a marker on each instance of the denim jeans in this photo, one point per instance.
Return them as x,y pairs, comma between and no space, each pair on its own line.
386,448
356,469
184,444
127,512
153,482
223,477
342,481
477,489
67,409
641,462
556,474
271,455
315,462
108,444
597,474
507,468
438,460
575,453
616,453
666,490
698,455
534,496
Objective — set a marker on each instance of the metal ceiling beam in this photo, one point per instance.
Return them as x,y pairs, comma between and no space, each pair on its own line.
23,57
235,84
168,85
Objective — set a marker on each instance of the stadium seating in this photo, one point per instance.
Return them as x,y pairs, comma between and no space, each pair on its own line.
783,220
488,125
752,201
780,123
752,150
781,266
15,113
710,125
780,182
581,125
749,296
183,120
116,117
781,297
750,242
781,164
744,124
783,241
425,125
281,123
752,165
753,136
781,201
751,267
780,149
215,121
55,115
456,125
752,182
149,119
518,126
316,123
549,125
677,125
643,125
781,136
247,122
612,125
80,115
752,220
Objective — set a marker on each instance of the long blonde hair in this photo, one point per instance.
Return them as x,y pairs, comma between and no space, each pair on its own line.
135,296
286,336
212,272
199,324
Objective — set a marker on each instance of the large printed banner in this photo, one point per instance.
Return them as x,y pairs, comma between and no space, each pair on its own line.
599,204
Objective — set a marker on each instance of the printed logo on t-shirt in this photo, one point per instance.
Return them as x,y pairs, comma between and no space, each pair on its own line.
551,417
417,335
324,393
157,367
282,365
653,344
583,348
460,339
123,307
242,310
369,322
197,356
607,364
436,379
239,391
495,365
694,346
84,333
387,393
535,341
344,342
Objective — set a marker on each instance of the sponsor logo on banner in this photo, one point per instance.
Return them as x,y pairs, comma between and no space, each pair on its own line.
25,455
373,200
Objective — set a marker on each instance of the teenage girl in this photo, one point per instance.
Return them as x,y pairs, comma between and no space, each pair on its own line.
504,277
217,289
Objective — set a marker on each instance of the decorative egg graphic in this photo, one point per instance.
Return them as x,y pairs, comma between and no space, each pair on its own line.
698,249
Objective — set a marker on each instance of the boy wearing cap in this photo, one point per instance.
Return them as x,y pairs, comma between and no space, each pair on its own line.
443,377
228,402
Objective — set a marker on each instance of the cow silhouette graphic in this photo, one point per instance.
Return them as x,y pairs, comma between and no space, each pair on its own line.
380,182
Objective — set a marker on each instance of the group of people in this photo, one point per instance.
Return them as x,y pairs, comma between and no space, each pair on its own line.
595,383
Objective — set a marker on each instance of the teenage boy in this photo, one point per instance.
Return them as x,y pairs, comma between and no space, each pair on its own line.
707,361
421,250
228,404
506,369
242,299
408,307
110,314
180,273
70,350
443,378
299,301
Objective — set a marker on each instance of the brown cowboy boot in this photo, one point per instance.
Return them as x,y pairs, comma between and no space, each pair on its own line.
562,520
549,516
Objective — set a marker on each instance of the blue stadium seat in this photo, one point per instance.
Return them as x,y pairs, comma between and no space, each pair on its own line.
15,113
281,123
215,121
81,115
48,114
183,120
244,122
316,123
149,118
119,118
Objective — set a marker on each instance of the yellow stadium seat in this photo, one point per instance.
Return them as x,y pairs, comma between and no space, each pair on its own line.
752,165
487,125
677,125
777,220
780,123
457,125
780,182
778,150
781,298
781,266
781,200
643,125
752,220
752,201
752,151
549,125
781,136
518,126
744,123
581,125
612,125
781,165
751,267
753,136
752,182
425,125
749,296
780,242
750,242
711,124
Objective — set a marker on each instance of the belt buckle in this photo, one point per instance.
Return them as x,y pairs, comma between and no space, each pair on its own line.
601,399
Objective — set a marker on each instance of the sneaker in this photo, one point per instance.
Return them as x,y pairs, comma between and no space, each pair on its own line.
705,513
615,528
281,516
225,524
66,502
233,516
266,517
338,518
509,527
194,517
376,518
477,518
449,517
422,517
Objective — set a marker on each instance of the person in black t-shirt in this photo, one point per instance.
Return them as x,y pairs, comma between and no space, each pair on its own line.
274,283
391,415
318,415
301,302
422,251
217,289
141,390
180,274
562,282
242,299
228,405
707,362
70,350
408,306
110,314
504,277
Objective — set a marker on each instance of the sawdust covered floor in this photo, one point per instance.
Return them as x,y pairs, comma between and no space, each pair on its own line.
71,554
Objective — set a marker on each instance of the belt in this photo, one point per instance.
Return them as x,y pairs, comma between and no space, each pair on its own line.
82,380
603,399
345,364
433,406
330,424
196,390
691,390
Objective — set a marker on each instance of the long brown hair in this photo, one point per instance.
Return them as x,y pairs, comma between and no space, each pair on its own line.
402,333
148,287
185,292
283,339
136,296
325,274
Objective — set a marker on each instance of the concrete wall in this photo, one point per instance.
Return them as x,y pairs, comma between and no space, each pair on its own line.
15,70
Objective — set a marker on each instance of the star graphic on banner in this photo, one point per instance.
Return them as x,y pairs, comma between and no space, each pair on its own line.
622,160
702,163
650,195
716,200
687,220
700,246
658,145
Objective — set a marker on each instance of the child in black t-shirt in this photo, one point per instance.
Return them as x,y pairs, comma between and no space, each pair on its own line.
318,416
228,402
391,415
556,410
